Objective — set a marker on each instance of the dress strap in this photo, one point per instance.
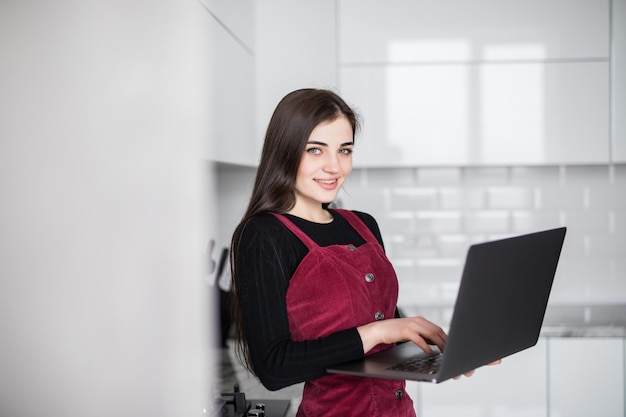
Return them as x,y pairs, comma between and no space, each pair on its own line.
308,242
358,225
351,218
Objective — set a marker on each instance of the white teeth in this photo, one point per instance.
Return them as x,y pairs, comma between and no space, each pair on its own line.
327,181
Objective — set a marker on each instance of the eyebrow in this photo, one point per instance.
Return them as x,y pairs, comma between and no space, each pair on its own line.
315,142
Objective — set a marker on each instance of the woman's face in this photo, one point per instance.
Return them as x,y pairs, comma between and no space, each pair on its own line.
326,163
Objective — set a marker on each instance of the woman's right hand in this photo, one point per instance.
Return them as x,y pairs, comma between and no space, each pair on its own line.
418,330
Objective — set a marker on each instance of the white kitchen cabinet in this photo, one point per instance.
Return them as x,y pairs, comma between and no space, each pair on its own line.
237,16
559,377
618,81
481,114
515,388
480,83
295,48
586,377
231,115
401,31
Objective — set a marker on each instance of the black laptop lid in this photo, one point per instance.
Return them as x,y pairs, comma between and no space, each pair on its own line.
507,284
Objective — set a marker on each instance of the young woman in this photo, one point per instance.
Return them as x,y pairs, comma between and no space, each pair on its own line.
312,285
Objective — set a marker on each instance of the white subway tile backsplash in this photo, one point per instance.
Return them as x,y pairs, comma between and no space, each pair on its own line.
510,197
429,217
533,176
619,174
587,175
587,221
470,198
607,196
490,203
437,222
400,224
611,246
413,293
487,222
617,274
414,199
611,222
525,221
358,179
487,176
588,271
617,221
575,245
440,270
412,247
453,246
391,177
584,281
439,176
363,199
405,270
425,292
614,292
561,197
448,292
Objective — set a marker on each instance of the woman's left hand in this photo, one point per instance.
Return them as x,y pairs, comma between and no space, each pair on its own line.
470,373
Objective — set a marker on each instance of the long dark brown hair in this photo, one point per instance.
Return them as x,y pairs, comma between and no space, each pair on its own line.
295,117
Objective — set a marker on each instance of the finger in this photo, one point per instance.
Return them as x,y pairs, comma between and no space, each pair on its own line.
432,333
425,342
439,338
467,374
423,345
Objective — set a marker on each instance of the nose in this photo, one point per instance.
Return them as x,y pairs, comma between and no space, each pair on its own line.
331,163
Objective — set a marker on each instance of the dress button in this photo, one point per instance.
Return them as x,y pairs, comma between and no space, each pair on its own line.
379,315
351,247
369,277
399,393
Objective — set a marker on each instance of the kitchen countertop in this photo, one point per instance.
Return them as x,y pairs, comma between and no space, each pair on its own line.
566,320
585,321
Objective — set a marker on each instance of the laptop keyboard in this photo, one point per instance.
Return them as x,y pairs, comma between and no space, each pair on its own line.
421,364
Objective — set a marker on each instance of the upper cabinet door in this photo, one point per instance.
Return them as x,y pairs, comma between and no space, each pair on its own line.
231,75
487,114
410,31
295,47
481,82
618,82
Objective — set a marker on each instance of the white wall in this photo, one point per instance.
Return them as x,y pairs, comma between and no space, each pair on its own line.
103,310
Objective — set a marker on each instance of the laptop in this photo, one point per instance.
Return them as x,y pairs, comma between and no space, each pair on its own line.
499,311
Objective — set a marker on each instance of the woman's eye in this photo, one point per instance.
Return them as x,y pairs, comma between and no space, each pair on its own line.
314,151
346,151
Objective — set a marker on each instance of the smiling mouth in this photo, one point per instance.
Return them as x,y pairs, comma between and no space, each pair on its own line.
329,182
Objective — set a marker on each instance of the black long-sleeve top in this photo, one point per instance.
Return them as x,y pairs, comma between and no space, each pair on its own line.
269,254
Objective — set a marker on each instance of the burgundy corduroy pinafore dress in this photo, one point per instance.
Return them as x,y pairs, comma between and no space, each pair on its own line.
335,288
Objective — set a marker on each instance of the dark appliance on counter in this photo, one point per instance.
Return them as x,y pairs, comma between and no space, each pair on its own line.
235,404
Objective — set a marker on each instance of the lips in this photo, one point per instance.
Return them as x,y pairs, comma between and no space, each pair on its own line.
329,184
